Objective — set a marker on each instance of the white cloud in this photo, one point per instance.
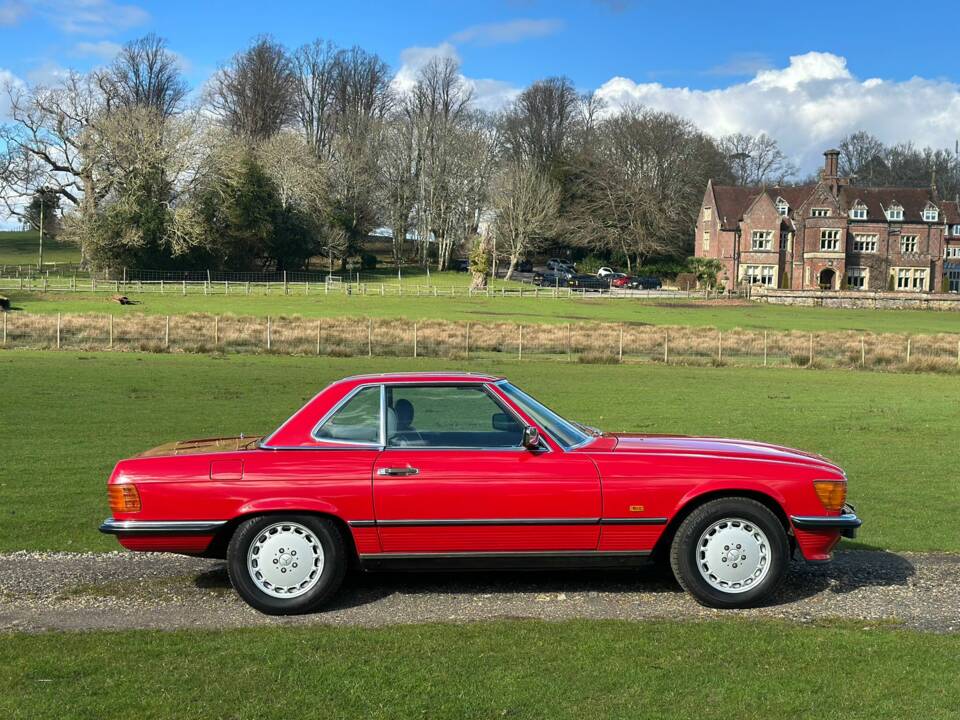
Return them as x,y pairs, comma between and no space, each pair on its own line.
12,12
808,106
103,49
511,31
92,17
488,94
48,73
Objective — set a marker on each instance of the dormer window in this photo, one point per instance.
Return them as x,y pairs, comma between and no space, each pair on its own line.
955,229
895,212
820,212
858,211
782,207
931,213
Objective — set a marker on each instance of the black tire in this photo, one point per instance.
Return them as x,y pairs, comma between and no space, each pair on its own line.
335,563
685,560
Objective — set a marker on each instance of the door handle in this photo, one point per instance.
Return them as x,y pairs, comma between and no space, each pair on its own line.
398,471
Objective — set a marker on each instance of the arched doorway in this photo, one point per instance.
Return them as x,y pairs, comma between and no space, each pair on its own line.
827,277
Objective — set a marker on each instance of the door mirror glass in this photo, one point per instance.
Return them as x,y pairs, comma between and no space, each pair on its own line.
531,438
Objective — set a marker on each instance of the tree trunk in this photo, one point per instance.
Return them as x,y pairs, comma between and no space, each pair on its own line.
514,257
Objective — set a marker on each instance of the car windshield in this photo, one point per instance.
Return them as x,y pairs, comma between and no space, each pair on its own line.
566,433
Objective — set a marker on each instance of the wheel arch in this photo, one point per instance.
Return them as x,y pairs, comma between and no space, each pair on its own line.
691,503
218,546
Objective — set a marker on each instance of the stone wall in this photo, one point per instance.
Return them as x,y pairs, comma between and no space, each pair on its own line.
859,299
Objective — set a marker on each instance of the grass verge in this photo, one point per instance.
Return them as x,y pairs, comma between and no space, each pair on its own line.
514,669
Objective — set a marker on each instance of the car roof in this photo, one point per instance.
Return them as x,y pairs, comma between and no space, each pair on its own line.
438,376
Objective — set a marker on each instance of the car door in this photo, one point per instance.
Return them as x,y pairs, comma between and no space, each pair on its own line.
454,478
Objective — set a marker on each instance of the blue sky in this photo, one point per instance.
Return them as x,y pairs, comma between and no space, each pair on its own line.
805,77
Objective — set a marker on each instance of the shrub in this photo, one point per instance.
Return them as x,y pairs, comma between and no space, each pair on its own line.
368,261
687,281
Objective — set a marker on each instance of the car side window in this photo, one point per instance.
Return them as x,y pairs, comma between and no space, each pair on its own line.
357,420
451,416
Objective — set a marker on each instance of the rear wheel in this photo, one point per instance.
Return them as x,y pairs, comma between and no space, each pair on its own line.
286,564
730,553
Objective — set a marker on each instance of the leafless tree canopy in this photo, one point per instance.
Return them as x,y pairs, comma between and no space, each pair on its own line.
756,159
254,95
144,74
544,121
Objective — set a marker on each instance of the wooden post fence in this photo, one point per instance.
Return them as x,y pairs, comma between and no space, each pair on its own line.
58,331
720,346
166,333
269,334
863,352
666,347
414,339
520,345
216,330
319,334
908,350
620,349
369,337
110,318
467,345
764,348
810,359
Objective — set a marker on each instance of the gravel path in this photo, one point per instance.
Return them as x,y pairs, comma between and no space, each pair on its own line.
67,591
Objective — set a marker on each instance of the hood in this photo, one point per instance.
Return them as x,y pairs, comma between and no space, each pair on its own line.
204,445
718,447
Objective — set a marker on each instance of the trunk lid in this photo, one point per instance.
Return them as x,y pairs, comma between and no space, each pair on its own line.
204,445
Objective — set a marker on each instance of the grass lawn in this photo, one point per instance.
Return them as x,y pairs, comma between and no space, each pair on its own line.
65,418
23,248
510,669
696,313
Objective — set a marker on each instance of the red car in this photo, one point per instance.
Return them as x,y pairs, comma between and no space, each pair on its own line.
463,470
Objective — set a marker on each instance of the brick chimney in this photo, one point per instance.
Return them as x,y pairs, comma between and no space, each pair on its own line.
831,170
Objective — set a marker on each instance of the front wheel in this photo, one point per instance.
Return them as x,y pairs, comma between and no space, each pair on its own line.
286,564
730,553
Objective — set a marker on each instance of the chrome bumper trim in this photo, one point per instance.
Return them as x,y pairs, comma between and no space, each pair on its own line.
161,527
847,524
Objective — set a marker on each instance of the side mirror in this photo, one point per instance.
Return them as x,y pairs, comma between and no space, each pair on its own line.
531,438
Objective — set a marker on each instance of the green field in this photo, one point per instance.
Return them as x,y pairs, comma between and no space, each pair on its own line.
695,313
65,418
506,669
23,248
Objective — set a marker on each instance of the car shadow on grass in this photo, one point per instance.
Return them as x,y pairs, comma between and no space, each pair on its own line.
850,571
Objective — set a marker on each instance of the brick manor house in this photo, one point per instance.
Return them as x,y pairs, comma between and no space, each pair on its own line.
832,235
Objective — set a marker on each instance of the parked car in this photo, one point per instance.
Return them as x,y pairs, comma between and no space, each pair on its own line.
558,264
587,282
552,278
461,265
645,283
606,272
466,470
619,280
438,469
525,266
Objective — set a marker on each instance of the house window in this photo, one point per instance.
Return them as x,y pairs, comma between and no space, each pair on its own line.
782,207
930,214
706,239
908,243
858,213
707,214
856,278
912,279
955,230
784,240
761,240
830,240
953,277
952,252
894,212
864,243
759,275
820,212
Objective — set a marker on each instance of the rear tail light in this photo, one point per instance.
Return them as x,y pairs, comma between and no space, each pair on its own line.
832,493
124,498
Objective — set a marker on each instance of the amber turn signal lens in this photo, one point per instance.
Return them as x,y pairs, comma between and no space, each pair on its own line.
832,493
124,498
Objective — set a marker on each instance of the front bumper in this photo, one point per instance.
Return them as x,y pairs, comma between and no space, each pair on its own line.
847,522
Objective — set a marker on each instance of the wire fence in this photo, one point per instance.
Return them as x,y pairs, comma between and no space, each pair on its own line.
330,285
575,342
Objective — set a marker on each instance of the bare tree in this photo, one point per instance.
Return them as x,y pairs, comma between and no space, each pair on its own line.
254,95
862,156
145,73
399,172
527,206
756,159
543,122
641,189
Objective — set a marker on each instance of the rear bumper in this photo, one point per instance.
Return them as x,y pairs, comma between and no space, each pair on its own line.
847,523
112,526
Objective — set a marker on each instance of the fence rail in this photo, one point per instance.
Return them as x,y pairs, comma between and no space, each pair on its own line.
579,342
